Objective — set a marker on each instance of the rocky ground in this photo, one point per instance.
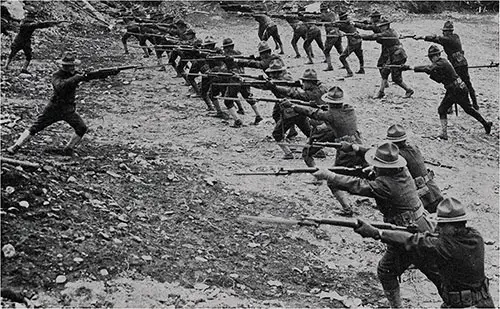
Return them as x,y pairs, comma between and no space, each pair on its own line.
146,214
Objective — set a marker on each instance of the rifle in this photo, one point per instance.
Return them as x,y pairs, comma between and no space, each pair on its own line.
221,57
307,221
297,102
222,74
491,65
105,72
342,35
438,164
403,67
408,36
356,172
260,83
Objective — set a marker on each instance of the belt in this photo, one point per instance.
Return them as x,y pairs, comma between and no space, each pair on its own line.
408,217
421,181
466,298
457,83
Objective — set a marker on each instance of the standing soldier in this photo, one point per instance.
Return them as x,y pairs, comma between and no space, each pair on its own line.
441,71
62,105
333,35
267,29
141,33
285,118
341,123
392,53
353,44
311,91
458,250
232,91
299,31
396,197
22,41
453,49
313,34
371,24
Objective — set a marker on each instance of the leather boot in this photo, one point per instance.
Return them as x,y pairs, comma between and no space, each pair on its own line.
288,153
341,197
73,142
25,67
394,298
444,129
209,104
347,68
23,139
328,60
381,92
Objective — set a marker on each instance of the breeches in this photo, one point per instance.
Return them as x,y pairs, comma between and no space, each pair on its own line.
26,48
283,125
49,117
459,96
356,48
330,43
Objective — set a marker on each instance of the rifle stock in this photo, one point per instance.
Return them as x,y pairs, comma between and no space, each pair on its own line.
307,221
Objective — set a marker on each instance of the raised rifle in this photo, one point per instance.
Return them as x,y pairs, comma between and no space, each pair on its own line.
316,222
348,171
260,83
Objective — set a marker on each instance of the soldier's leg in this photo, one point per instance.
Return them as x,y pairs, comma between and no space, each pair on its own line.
125,37
359,53
274,32
343,59
462,98
308,49
247,95
230,106
29,55
394,262
279,134
77,123
446,103
397,78
329,42
319,41
463,72
295,39
142,43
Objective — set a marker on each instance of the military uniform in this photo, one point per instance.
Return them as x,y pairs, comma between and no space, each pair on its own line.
267,29
441,71
299,31
354,43
333,38
313,34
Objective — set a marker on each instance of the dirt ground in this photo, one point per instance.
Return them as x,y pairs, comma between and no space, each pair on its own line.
147,214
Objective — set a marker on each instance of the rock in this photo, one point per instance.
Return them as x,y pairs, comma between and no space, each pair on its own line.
234,276
117,241
330,295
352,302
147,258
123,218
239,149
251,201
124,166
78,260
315,290
71,179
122,225
171,177
24,204
488,241
103,272
210,181
136,238
201,286
105,236
200,259
60,279
9,190
275,283
113,174
253,245
8,250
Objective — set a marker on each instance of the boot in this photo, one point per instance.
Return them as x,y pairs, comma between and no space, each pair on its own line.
309,160
347,68
361,65
473,98
209,104
23,139
394,298
409,91
232,112
328,60
381,92
288,153
341,197
196,89
487,127
296,49
241,111
73,142
444,129
258,117
25,67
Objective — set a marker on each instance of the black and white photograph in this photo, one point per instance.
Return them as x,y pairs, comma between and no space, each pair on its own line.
249,154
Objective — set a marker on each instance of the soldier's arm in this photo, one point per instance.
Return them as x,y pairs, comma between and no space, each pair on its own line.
45,24
425,68
357,185
249,63
363,26
371,37
432,38
63,83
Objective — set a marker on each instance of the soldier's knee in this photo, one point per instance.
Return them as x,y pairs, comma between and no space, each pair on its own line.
229,103
81,129
442,111
388,279
278,135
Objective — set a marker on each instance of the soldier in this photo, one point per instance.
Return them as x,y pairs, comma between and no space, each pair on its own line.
396,197
453,49
392,53
311,91
265,58
313,34
353,44
267,29
441,71
232,91
457,249
22,41
427,189
140,32
341,125
62,106
285,118
375,18
333,35
299,31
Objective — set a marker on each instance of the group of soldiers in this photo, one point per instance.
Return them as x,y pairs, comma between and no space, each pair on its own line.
451,255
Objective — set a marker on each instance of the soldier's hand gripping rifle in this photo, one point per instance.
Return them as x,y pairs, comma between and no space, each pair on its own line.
348,171
316,222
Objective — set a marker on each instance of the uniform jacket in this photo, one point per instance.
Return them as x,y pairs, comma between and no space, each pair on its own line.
63,98
441,72
452,47
348,27
26,31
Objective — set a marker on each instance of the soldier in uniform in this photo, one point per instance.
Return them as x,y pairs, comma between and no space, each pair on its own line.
392,53
340,125
62,106
285,118
232,91
375,18
441,71
299,31
141,33
22,41
453,49
313,34
311,91
333,35
353,44
396,196
267,29
457,249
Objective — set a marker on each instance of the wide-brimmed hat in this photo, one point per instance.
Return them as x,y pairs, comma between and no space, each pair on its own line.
343,15
395,133
263,46
310,74
449,210
384,22
209,41
433,50
68,59
385,156
334,96
276,65
448,26
227,42
375,14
